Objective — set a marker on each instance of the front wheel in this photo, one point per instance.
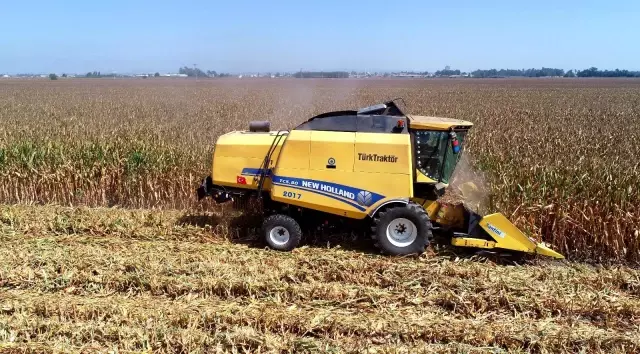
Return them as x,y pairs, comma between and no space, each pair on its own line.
402,230
281,232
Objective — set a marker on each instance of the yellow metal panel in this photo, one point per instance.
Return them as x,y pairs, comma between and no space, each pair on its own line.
432,209
430,206
240,155
332,145
302,176
422,178
383,153
226,171
546,251
506,234
479,243
472,242
295,151
247,144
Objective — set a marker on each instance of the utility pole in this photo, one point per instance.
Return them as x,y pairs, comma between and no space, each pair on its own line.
196,70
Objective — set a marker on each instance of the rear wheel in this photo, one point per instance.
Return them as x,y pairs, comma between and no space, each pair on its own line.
402,230
281,232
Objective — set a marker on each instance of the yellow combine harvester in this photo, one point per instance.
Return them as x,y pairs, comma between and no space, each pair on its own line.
377,164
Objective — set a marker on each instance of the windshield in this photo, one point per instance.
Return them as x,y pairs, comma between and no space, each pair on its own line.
434,153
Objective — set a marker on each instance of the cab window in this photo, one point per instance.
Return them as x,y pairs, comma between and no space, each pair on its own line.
379,124
332,124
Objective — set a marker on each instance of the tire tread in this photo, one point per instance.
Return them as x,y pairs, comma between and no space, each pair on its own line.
295,231
412,211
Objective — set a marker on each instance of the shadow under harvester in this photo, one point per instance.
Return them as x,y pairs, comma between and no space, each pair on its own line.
246,228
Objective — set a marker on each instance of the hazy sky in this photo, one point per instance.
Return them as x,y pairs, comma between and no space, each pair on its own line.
131,36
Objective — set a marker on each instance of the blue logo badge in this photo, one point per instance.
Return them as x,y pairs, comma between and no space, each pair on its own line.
364,198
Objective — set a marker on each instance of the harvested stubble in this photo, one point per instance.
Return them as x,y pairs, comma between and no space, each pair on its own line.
82,279
561,156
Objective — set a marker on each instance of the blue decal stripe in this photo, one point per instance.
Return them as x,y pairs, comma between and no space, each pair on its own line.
317,185
357,206
355,197
321,193
338,197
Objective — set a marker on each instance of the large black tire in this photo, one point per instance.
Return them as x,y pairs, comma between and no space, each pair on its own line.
281,232
402,230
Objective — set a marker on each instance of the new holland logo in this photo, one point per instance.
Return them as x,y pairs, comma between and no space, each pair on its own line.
364,198
377,158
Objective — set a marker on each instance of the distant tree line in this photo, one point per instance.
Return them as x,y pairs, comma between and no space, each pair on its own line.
424,73
322,74
594,72
93,74
192,72
97,74
196,72
549,72
447,72
544,72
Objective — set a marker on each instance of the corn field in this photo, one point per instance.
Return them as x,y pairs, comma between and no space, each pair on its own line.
104,248
561,157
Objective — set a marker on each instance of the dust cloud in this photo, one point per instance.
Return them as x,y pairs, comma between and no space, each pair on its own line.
468,186
299,99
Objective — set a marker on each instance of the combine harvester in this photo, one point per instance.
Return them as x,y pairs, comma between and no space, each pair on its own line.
377,165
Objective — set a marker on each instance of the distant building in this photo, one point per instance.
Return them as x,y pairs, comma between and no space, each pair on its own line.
6,76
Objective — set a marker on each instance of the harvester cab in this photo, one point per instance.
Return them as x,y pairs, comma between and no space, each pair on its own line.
377,164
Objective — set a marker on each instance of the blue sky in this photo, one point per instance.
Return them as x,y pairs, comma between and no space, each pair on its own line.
234,36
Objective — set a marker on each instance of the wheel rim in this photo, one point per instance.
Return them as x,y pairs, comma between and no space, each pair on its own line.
401,232
279,235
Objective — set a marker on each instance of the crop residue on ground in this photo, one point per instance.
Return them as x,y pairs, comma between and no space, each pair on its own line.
82,279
